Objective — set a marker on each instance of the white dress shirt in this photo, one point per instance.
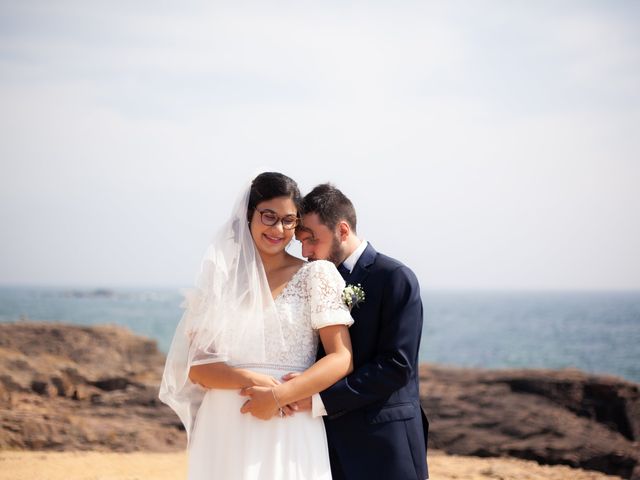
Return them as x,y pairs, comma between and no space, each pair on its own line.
317,405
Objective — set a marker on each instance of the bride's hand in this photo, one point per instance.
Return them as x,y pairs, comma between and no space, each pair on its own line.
262,403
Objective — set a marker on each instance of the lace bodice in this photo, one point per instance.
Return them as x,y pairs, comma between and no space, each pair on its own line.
311,300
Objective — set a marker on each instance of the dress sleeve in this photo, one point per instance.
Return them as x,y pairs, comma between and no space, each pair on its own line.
325,286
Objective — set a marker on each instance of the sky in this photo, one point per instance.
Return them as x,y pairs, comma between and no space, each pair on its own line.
487,145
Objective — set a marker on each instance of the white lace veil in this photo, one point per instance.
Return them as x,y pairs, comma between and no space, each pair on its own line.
225,316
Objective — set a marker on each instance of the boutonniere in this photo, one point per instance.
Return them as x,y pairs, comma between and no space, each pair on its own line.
353,295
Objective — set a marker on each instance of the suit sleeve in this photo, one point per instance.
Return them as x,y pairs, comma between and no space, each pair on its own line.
397,349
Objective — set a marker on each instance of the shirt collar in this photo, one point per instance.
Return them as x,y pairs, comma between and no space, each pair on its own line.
352,259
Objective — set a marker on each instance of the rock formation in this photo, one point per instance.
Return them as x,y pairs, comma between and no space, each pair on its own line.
553,417
66,387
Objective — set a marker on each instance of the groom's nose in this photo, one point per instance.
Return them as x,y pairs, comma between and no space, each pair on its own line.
307,251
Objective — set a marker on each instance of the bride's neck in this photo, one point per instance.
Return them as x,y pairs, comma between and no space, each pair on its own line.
272,262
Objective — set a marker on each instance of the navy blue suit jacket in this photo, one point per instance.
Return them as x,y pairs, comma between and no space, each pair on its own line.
375,426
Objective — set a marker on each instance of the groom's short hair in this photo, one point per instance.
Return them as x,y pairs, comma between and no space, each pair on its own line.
331,205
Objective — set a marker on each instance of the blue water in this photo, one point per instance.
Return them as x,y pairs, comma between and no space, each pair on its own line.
597,332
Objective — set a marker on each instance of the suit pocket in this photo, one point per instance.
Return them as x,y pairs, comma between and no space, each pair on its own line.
392,413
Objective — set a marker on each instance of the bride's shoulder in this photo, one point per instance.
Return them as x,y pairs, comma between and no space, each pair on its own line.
323,268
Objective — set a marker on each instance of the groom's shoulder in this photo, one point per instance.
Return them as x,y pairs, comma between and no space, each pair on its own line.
388,262
390,265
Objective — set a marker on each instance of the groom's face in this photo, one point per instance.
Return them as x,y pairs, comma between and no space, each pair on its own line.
319,242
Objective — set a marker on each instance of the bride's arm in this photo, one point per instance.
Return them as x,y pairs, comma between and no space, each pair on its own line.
222,376
336,364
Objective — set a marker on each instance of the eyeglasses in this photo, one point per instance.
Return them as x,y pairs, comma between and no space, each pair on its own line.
271,218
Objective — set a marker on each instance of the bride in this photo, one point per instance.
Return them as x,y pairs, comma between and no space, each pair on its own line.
257,314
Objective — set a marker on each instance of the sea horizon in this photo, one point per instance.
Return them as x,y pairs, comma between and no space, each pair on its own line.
137,286
596,331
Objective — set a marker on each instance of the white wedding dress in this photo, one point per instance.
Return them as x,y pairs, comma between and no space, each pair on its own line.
228,445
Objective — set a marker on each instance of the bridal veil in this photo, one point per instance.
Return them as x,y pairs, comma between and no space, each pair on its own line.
225,315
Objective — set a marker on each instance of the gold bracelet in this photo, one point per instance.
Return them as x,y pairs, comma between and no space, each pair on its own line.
280,410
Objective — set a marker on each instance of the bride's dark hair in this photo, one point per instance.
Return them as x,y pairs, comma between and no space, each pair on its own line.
270,185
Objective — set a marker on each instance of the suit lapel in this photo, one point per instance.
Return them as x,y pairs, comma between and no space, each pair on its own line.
361,270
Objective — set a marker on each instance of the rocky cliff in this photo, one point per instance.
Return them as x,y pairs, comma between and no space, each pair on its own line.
66,387
553,417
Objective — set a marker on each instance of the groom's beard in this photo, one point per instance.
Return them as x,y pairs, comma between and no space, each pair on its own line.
335,254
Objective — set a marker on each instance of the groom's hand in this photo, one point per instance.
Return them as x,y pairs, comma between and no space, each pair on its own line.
303,405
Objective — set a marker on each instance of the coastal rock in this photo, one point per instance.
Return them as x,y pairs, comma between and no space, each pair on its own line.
553,417
67,387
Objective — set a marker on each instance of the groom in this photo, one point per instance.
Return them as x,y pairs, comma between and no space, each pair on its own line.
375,426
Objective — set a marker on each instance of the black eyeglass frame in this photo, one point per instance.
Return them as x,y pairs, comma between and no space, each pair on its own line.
278,218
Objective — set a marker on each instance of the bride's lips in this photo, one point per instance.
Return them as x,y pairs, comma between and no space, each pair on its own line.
272,240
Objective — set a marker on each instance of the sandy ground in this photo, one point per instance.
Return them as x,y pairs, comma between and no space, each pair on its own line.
16,465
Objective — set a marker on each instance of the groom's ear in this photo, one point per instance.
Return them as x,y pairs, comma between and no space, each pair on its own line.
343,230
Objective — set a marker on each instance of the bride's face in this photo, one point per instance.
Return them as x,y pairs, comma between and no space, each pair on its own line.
272,239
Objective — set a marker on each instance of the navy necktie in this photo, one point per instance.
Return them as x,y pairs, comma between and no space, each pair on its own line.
344,271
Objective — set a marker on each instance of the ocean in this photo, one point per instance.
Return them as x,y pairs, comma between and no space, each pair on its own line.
598,332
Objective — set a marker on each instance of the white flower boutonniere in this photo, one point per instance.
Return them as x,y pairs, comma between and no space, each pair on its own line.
353,295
